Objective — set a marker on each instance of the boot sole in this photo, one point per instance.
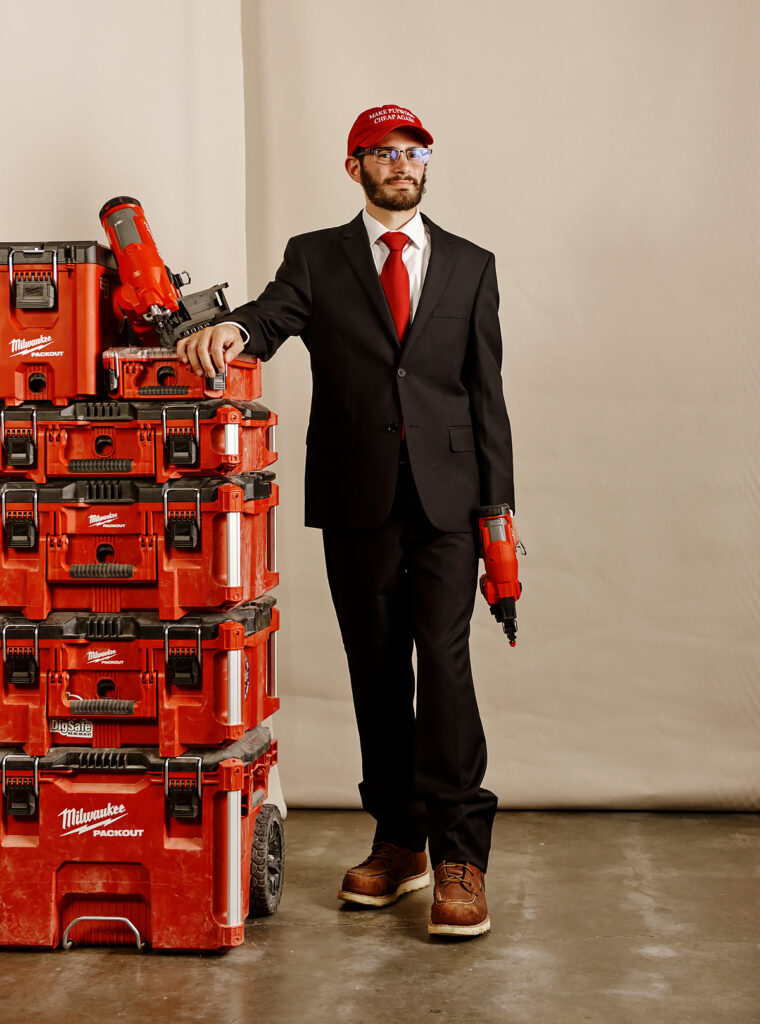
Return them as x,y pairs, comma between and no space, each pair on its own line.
408,885
463,930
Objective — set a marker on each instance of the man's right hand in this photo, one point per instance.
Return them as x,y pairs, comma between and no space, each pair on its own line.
208,350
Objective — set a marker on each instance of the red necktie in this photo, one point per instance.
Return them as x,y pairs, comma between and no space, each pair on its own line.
395,280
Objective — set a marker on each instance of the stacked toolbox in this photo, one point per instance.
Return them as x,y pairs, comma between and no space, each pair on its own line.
138,635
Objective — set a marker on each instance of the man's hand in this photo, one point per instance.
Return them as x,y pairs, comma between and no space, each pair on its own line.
208,350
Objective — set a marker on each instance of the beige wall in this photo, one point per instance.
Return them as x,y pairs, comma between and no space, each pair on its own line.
142,99
607,151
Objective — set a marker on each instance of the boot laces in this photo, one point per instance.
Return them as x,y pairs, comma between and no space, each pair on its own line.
451,877
382,851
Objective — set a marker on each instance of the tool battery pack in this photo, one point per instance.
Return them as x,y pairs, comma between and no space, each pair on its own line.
118,545
125,439
140,373
56,318
133,680
123,847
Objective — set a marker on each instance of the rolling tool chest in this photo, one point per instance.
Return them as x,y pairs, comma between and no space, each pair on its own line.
128,848
138,637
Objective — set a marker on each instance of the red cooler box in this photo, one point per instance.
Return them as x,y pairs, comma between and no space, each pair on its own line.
116,545
122,847
56,318
140,373
132,680
151,439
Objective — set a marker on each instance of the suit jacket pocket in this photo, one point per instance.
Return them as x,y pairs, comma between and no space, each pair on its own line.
454,312
461,439
330,436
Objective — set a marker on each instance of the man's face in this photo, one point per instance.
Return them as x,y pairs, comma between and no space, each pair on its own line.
398,186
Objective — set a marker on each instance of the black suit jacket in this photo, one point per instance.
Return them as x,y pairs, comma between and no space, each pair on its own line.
444,384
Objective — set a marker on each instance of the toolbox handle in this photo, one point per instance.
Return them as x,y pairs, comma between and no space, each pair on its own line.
32,410
101,570
114,353
22,625
196,423
16,491
37,251
97,917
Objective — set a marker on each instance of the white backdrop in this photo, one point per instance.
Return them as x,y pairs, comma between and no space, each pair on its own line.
607,151
143,99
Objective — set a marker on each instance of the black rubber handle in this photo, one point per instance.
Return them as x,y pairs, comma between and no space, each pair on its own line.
105,571
102,707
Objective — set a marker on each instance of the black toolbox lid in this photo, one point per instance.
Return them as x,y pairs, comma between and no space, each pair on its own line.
121,411
100,627
248,748
129,491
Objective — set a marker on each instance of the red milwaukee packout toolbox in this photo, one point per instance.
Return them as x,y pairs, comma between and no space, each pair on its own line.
140,373
116,545
133,680
123,847
56,318
120,439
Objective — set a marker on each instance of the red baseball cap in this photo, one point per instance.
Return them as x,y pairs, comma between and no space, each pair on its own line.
374,124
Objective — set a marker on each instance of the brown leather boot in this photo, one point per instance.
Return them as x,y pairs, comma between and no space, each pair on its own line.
459,901
386,874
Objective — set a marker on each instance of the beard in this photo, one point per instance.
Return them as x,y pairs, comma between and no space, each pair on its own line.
386,197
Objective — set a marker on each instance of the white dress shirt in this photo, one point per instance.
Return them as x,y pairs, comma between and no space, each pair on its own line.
416,253
416,256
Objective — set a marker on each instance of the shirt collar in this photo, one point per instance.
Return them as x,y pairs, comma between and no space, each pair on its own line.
415,228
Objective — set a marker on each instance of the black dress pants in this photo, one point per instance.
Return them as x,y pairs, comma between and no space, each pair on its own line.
406,584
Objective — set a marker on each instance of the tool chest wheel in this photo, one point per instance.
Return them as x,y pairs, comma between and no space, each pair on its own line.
267,862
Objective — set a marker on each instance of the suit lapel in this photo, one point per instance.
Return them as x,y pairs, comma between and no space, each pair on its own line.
356,244
436,277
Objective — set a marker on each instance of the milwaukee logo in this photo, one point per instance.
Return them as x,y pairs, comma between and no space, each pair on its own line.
107,519
103,657
32,346
76,819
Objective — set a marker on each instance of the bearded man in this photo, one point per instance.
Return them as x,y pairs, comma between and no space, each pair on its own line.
408,434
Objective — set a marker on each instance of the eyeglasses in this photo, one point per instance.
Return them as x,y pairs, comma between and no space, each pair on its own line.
386,155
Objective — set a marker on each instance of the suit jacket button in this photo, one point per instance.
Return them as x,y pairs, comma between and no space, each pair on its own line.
402,372
391,427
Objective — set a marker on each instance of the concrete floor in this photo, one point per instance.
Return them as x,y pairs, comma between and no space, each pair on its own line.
601,917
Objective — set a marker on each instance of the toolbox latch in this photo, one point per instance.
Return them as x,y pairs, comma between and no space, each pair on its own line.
38,290
21,669
20,529
181,448
183,795
20,447
182,669
182,528
20,792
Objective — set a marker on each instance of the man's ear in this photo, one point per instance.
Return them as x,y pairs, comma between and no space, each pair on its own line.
353,168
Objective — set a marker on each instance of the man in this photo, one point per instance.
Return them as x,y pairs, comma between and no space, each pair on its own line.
408,434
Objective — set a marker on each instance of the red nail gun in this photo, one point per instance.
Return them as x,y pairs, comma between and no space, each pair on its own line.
499,584
149,302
